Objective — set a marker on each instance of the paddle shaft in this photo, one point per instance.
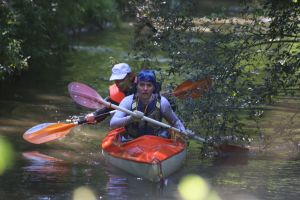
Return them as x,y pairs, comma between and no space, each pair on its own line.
113,106
129,112
84,121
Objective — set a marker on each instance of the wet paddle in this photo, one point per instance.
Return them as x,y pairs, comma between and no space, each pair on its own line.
89,93
47,132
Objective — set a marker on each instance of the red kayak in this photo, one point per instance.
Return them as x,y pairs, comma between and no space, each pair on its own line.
150,157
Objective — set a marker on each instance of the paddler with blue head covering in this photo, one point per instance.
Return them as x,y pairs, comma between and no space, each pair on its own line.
145,102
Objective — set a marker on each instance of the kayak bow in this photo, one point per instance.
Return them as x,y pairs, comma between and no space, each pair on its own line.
150,157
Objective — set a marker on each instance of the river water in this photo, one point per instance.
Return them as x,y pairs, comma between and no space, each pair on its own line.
71,165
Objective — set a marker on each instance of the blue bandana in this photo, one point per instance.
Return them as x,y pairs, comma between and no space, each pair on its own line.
147,76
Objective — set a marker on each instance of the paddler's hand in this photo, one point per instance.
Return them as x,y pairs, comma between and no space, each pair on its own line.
137,116
90,118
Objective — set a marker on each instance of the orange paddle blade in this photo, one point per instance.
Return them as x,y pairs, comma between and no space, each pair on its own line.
192,89
47,132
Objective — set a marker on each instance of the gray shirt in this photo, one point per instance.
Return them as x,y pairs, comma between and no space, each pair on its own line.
120,118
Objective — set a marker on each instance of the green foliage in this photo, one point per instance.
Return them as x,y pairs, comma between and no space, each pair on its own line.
41,30
101,12
11,56
283,70
250,57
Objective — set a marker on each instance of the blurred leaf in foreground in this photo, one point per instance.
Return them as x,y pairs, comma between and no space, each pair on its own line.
194,187
6,155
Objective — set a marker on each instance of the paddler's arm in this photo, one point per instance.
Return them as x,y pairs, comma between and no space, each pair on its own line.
121,119
170,115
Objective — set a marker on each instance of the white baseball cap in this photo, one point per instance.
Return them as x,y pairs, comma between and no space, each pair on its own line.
119,71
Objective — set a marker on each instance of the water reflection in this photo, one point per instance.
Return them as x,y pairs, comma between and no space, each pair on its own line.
42,167
260,178
123,186
117,187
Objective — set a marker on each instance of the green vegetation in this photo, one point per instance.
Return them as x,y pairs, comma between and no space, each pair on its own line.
252,56
12,59
94,55
32,31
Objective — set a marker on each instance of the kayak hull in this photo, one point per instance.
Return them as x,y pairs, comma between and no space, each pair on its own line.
149,157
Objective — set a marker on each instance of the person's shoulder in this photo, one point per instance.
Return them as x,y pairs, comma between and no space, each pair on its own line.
164,100
129,96
127,101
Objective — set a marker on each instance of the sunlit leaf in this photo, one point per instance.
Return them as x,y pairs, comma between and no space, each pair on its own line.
193,187
83,193
6,155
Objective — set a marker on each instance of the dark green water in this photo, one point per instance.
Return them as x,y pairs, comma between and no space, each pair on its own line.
56,169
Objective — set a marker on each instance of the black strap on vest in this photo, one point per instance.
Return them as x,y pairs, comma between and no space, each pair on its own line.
134,105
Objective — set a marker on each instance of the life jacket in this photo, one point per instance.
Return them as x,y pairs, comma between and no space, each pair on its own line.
116,94
152,110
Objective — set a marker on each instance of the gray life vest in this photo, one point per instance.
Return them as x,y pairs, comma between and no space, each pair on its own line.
152,110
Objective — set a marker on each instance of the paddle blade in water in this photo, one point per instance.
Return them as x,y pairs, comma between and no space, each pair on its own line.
231,148
85,96
192,89
47,132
